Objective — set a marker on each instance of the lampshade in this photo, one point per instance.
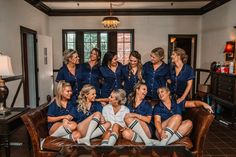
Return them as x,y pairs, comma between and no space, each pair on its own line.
110,21
229,47
5,66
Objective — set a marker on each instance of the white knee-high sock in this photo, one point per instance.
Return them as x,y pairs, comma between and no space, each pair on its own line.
136,138
175,137
135,126
104,143
169,132
98,132
68,136
113,138
61,131
92,125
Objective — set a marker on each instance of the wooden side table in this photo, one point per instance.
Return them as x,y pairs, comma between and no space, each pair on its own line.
9,124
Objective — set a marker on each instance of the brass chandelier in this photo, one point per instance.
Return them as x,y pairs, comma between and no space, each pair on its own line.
110,22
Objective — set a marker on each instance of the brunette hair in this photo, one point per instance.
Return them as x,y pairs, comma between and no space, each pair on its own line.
108,58
132,96
98,54
137,55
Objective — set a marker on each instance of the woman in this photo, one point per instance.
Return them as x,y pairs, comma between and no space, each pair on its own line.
60,112
88,116
168,119
182,75
115,113
132,72
111,73
89,72
140,128
155,72
68,71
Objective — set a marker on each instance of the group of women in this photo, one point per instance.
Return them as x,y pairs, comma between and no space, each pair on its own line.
91,99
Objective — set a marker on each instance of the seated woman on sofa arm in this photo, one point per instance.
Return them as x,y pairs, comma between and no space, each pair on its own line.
168,119
60,112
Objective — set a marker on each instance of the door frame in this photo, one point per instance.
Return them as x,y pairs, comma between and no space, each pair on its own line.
24,61
192,36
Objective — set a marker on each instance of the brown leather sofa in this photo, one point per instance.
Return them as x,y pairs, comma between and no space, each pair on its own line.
36,124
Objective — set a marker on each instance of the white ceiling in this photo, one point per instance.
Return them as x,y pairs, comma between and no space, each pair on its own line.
126,5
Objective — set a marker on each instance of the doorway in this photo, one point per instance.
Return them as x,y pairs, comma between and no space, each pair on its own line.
29,66
186,42
189,44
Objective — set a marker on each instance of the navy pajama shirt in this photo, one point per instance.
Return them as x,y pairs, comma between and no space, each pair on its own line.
64,74
155,78
144,109
130,80
88,75
179,83
112,80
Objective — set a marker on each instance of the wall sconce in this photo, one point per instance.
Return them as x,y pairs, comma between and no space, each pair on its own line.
229,47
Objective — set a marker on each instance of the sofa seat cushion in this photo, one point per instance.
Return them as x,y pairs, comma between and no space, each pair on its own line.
56,143
186,141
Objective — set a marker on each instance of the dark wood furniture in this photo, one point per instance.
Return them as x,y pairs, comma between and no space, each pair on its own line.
9,124
36,124
223,92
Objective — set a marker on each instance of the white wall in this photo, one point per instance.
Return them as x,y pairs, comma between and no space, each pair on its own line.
217,28
150,31
13,14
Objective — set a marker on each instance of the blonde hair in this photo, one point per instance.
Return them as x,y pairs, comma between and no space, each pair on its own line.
82,98
68,54
132,96
181,52
120,96
159,52
60,87
163,88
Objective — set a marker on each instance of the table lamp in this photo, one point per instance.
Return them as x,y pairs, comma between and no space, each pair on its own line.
5,70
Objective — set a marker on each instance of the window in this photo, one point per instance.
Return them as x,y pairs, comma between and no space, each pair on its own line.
123,47
70,40
85,40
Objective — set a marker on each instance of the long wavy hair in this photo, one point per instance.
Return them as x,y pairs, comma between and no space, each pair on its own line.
137,55
82,98
59,91
98,54
132,96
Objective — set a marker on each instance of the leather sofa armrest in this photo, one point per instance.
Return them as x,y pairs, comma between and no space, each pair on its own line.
202,120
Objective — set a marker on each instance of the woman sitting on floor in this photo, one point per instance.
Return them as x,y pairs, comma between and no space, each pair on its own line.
89,115
168,119
115,113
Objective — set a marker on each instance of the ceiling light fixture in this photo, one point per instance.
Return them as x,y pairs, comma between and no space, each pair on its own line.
110,22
